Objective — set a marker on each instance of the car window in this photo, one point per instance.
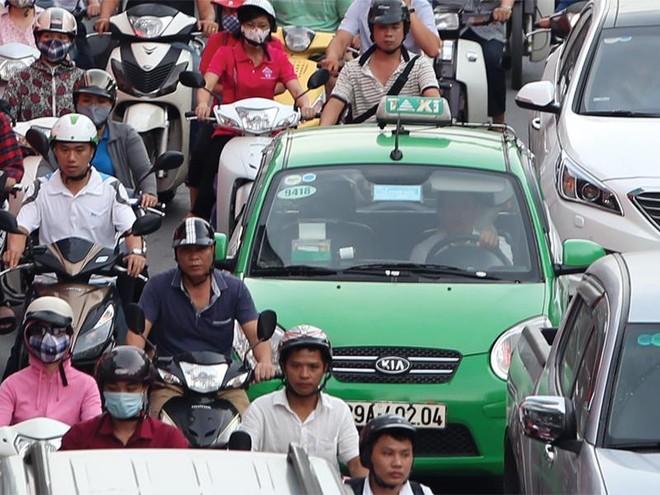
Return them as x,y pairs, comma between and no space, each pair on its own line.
580,325
571,53
339,218
624,75
632,418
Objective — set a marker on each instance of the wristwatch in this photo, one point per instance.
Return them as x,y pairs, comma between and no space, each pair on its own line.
138,251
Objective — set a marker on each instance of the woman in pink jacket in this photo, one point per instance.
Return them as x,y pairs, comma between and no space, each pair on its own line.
49,387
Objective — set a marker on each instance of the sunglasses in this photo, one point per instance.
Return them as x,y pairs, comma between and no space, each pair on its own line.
40,329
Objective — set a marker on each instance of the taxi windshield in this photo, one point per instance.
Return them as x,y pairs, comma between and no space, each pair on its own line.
624,77
423,221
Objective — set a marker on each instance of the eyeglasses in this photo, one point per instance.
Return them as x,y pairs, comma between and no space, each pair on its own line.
41,329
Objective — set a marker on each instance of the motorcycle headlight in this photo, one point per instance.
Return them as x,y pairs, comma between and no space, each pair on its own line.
203,378
23,443
238,381
446,21
147,26
10,67
168,377
257,121
288,122
500,354
575,184
88,343
241,345
297,39
224,121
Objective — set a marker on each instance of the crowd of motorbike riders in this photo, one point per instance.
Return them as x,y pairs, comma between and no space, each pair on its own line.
82,191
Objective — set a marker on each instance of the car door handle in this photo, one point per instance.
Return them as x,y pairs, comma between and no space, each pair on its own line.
549,452
536,123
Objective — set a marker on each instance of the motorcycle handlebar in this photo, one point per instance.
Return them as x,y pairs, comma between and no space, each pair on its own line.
17,267
121,269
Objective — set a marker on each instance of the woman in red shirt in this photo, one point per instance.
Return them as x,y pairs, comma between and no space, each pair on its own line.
247,69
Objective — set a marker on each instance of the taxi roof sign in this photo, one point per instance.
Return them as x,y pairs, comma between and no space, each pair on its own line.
413,109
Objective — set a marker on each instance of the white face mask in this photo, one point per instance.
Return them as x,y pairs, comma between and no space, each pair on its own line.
257,36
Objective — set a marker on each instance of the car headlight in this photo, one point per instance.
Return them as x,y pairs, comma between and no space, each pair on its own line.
500,354
88,343
147,26
446,21
257,121
203,378
241,345
297,39
10,67
574,184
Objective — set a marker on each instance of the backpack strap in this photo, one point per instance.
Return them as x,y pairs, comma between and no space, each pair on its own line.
394,90
356,484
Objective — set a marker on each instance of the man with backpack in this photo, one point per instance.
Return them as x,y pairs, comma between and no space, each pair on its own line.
387,445
384,69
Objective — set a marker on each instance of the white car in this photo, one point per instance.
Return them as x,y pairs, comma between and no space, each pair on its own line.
595,125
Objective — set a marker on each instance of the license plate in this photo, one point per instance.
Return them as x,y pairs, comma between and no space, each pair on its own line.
420,415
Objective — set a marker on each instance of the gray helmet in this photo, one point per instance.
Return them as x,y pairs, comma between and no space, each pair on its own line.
56,20
388,12
385,424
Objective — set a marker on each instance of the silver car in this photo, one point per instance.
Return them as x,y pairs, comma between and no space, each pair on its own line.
582,415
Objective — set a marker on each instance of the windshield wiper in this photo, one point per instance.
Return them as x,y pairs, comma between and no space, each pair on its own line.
623,113
425,270
294,270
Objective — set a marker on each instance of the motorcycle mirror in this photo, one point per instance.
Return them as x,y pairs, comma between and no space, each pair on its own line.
39,142
168,160
7,320
146,224
8,223
266,324
318,79
135,318
192,79
239,440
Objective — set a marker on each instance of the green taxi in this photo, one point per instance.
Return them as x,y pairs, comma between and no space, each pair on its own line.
422,249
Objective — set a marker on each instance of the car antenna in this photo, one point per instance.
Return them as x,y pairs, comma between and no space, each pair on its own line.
396,153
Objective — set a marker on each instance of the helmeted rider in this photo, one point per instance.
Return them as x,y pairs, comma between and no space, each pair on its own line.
247,69
120,151
124,375
364,81
49,387
387,445
302,412
17,23
193,307
45,88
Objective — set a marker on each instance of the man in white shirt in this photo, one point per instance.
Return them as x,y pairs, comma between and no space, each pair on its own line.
301,413
76,200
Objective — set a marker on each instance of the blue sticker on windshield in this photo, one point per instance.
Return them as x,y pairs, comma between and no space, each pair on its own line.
309,177
647,339
384,192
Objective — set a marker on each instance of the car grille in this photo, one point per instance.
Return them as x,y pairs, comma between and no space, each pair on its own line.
453,441
649,204
358,365
147,82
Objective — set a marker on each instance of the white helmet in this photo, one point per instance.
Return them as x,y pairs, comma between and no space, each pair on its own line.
74,128
50,309
247,11
56,20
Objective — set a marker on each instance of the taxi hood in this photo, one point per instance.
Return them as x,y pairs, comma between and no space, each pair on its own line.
466,317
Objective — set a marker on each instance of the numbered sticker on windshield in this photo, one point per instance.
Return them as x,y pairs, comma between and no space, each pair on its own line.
296,192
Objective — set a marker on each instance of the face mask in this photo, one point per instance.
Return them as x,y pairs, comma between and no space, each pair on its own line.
125,405
48,347
255,36
230,23
97,113
54,50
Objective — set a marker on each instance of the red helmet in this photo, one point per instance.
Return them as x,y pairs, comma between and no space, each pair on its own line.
230,4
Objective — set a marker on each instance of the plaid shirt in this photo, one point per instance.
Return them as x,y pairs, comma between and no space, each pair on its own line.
11,159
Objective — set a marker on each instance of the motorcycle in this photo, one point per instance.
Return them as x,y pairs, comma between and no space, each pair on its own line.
257,120
31,157
15,57
154,47
206,420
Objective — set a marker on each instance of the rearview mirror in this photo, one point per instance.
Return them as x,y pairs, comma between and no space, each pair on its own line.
266,324
168,160
220,246
578,254
318,79
146,224
39,141
135,318
548,419
539,96
7,320
192,79
8,223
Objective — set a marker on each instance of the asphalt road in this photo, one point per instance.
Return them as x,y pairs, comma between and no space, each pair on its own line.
160,257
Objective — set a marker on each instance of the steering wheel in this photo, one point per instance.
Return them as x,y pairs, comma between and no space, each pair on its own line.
466,251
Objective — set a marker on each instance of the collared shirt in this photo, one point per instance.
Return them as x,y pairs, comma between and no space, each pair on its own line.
224,38
97,433
178,326
96,213
319,15
11,158
328,432
405,489
358,87
355,22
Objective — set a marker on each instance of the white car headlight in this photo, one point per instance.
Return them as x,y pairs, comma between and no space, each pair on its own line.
575,184
147,26
500,354
203,378
297,39
10,67
257,120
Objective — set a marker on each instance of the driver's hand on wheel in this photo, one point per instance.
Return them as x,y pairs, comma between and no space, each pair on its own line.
489,238
11,258
148,200
264,371
135,263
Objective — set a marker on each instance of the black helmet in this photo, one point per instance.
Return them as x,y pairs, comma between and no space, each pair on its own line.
124,363
388,12
97,82
193,231
254,8
305,336
392,424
